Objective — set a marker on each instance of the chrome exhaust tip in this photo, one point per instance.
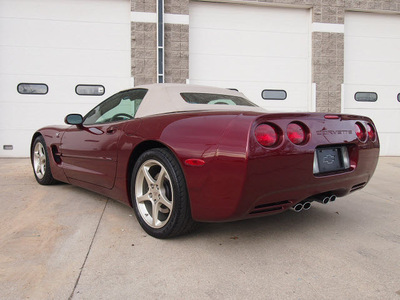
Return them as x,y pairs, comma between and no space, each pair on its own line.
306,205
332,198
324,200
298,207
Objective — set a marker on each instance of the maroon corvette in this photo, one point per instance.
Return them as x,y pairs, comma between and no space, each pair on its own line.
182,154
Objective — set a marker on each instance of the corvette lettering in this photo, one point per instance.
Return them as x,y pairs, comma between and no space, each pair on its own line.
328,132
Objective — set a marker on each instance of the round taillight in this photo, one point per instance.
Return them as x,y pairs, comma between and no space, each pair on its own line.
296,133
360,132
266,135
371,132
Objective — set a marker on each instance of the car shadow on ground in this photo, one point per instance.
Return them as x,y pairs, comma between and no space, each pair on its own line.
278,226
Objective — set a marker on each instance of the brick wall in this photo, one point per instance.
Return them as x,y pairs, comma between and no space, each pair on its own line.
327,47
144,52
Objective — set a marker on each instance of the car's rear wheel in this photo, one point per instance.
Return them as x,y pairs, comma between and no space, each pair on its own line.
159,195
41,163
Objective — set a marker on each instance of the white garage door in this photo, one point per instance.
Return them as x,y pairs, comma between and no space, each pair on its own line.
252,48
372,65
60,43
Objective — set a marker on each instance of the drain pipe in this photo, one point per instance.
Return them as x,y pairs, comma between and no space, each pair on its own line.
160,42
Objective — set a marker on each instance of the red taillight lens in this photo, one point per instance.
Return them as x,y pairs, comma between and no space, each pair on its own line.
266,135
371,132
360,132
296,133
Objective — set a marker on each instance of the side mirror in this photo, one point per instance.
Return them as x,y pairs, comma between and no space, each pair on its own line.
74,119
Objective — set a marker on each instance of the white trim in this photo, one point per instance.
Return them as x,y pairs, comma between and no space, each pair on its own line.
143,17
327,27
342,98
314,97
149,17
177,19
256,3
311,103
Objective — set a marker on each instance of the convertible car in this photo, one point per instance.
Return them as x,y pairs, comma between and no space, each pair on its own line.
183,154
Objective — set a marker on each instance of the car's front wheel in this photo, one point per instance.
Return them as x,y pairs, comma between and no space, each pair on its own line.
159,195
41,163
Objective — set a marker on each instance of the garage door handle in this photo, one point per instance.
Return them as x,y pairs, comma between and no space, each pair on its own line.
111,130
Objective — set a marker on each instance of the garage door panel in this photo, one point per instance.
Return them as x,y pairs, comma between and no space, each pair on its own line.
64,61
250,44
249,68
71,10
372,64
390,143
387,97
235,17
59,87
372,48
373,73
269,48
61,43
378,25
78,35
19,139
251,89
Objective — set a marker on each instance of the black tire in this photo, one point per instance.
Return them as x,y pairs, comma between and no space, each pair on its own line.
41,163
169,188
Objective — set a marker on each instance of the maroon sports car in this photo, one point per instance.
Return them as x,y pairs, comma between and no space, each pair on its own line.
182,154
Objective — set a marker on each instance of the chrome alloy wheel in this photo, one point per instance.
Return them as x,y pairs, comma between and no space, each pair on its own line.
154,193
39,160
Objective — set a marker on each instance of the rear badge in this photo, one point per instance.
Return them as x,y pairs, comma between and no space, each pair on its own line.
327,132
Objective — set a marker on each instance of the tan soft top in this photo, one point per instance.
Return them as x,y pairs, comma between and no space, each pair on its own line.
165,97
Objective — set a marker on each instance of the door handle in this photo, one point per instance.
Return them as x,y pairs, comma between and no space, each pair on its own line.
111,130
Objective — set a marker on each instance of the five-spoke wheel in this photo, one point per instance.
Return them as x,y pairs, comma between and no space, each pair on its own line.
159,194
154,193
40,162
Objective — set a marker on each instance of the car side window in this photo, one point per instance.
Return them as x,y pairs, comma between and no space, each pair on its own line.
119,107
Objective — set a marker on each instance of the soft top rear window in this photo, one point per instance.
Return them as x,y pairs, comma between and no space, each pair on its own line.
217,99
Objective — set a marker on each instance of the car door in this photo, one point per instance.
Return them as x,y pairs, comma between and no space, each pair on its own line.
90,151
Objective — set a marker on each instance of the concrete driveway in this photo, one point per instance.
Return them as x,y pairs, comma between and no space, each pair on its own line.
60,242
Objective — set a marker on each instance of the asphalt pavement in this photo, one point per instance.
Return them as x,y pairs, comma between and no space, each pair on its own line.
63,242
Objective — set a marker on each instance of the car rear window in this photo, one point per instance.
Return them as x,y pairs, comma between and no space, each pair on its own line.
217,99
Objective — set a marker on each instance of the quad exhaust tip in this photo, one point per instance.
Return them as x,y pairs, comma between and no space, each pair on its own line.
306,205
302,206
298,207
323,200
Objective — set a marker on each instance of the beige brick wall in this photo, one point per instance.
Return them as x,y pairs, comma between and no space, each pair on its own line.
143,5
144,52
176,53
327,48
328,67
176,7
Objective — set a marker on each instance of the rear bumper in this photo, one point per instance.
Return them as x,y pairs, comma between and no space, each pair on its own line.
250,180
273,184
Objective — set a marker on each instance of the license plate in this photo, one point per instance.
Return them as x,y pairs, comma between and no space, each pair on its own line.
331,159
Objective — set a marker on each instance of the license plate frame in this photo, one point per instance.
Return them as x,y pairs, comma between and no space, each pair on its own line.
330,159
